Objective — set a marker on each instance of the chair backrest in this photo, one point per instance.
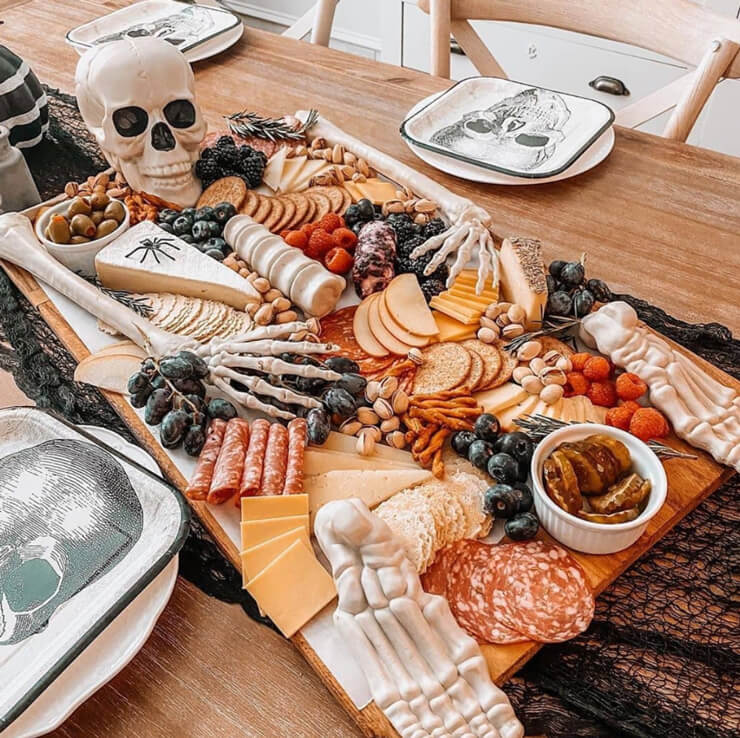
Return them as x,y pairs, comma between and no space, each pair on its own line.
677,28
318,19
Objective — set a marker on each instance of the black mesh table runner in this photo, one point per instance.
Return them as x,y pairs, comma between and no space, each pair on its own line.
662,656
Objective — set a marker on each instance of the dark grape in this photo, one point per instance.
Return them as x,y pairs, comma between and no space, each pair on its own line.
138,399
500,501
461,441
318,425
189,386
599,290
194,404
559,303
158,404
175,368
353,383
556,267
342,365
221,409
503,468
339,401
158,382
138,382
552,284
524,496
516,444
194,440
522,527
479,452
582,303
487,427
573,273
148,366
199,367
173,427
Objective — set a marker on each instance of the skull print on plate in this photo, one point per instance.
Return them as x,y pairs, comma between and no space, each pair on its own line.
137,97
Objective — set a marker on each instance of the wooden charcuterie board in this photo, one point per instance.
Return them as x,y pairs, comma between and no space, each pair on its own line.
689,482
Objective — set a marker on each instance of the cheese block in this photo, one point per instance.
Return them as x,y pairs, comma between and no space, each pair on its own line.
291,170
147,259
498,399
468,316
361,328
348,444
450,329
254,532
319,461
377,191
292,588
353,190
310,169
273,506
523,277
507,417
255,559
274,169
371,486
380,332
467,299
408,307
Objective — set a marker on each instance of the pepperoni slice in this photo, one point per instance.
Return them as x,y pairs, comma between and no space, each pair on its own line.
297,435
276,460
230,463
200,482
255,459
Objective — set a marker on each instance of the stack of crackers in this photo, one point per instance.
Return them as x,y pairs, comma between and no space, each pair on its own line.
277,213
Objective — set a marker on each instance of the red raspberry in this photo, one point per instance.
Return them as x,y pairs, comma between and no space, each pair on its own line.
630,386
296,238
597,368
318,244
330,222
619,417
578,383
602,393
631,406
579,361
344,238
338,260
309,228
647,423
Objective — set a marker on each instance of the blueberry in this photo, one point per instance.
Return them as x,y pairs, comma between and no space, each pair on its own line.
182,225
213,229
461,441
523,467
582,303
479,452
503,468
487,427
204,213
352,215
190,212
522,527
201,230
357,227
599,290
216,254
524,496
215,243
500,501
365,209
168,216
559,303
573,273
223,212
556,267
516,444
166,227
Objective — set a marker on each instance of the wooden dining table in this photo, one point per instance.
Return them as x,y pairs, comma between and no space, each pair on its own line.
657,219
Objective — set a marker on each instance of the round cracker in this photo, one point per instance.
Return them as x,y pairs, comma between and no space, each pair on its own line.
226,189
301,203
277,209
346,201
334,193
490,357
550,343
288,214
323,204
250,204
263,209
476,371
509,362
445,365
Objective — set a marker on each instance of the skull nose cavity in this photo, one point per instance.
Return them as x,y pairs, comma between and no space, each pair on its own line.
162,138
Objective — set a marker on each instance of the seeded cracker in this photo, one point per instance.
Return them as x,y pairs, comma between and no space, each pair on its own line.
288,214
445,365
226,189
263,209
476,371
491,358
508,364
550,343
250,204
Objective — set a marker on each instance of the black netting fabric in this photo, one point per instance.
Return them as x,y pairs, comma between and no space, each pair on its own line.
662,656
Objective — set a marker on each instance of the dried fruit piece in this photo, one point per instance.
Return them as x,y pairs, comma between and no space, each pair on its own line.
597,368
647,423
630,386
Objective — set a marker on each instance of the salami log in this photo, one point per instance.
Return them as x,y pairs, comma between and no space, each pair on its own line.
230,462
276,460
200,482
297,435
255,459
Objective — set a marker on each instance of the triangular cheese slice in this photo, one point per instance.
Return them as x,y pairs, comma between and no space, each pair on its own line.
274,169
555,410
371,486
498,399
291,169
508,417
348,444
147,259
310,169
317,461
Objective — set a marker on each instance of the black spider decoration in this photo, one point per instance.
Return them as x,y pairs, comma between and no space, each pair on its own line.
155,247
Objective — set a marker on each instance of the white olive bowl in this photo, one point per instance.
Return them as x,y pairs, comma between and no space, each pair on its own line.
79,257
583,535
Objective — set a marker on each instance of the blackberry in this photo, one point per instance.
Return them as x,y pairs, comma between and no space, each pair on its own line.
433,228
406,264
225,142
252,170
227,157
404,227
440,274
404,248
432,287
207,171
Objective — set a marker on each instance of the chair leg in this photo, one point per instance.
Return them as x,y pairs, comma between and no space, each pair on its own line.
323,21
440,12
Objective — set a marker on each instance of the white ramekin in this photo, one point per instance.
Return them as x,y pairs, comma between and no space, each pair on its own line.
583,535
79,257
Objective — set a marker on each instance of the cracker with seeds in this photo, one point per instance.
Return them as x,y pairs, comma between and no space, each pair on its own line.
509,362
490,357
445,365
226,189
263,209
250,204
288,214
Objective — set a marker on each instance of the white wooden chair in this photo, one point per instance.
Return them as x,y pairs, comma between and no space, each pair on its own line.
677,28
317,19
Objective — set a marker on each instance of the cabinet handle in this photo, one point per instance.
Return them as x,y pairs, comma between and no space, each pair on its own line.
610,85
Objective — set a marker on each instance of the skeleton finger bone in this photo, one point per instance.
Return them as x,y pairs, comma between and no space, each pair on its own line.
261,387
272,365
250,401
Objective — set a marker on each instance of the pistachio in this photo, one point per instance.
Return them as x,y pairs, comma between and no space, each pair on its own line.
551,394
529,350
383,408
425,206
486,335
416,356
363,168
552,375
494,310
396,439
488,323
371,430
365,444
564,364
243,271
264,314
349,158
367,416
503,320
337,154
393,206
532,384
537,365
372,391
513,330
388,385
350,427
391,424
551,357
422,218
347,171
520,373
400,402
71,189
359,177
516,314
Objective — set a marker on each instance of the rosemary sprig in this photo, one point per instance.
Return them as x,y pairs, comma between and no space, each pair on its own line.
248,124
539,426
553,325
137,303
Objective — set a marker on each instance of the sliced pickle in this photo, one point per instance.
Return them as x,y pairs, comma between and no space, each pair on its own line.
629,492
561,483
602,458
589,480
618,450
623,516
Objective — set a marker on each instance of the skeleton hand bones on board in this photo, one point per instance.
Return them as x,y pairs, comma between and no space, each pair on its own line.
469,232
424,672
703,412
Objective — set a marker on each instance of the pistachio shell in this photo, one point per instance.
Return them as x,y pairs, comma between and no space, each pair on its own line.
520,373
367,416
400,402
532,384
527,351
396,439
383,408
551,394
486,335
516,314
365,444
537,365
372,391
388,385
391,424
350,427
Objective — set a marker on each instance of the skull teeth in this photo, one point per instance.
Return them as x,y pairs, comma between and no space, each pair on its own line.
169,170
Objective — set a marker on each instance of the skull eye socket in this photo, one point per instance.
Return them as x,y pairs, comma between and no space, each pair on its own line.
180,113
131,121
30,585
479,126
528,139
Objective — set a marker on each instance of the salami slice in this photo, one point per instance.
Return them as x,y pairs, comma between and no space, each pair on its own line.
200,482
276,460
230,463
255,459
297,435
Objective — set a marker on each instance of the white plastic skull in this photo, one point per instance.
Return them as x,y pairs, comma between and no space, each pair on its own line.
137,96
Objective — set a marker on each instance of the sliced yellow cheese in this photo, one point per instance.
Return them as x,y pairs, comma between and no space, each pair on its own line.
291,170
450,329
568,412
499,398
310,169
377,191
319,461
274,169
274,506
353,190
348,444
467,300
507,417
255,532
523,277
594,413
408,306
293,588
555,410
255,559
468,316
467,275
370,485
580,406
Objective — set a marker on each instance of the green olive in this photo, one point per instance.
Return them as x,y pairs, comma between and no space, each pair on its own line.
106,227
79,239
79,205
97,216
58,229
115,210
82,225
99,200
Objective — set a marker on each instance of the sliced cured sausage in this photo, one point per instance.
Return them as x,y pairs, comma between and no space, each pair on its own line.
200,482
276,460
230,463
297,435
255,459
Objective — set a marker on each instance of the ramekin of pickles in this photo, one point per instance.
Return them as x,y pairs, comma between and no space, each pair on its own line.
74,231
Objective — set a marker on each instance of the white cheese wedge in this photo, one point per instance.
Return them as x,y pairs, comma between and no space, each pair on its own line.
508,417
310,169
579,404
348,444
568,411
498,399
523,277
318,461
291,169
371,486
274,169
147,259
555,410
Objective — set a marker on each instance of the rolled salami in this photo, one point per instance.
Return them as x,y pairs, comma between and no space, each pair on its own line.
276,460
200,482
255,459
230,463
297,434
